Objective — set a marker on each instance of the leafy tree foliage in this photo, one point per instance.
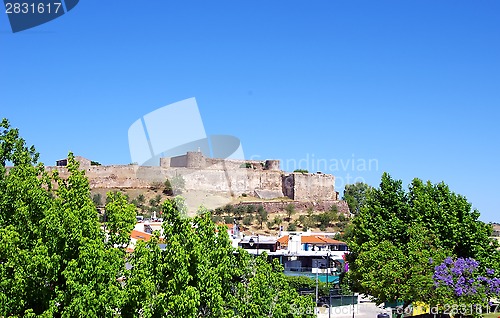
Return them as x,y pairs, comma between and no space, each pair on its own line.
262,215
355,195
57,260
199,274
290,210
53,258
396,232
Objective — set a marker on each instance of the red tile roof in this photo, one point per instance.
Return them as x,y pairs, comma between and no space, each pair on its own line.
283,240
138,235
316,239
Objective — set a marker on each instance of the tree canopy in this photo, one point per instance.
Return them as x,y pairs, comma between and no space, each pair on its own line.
58,260
355,195
396,233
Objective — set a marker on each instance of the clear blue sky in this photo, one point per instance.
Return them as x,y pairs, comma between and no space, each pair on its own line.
411,85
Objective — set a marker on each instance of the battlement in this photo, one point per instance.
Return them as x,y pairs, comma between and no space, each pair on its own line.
260,178
196,160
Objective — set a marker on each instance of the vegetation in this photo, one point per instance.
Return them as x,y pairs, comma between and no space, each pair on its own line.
303,171
168,190
56,260
398,237
355,195
262,215
290,210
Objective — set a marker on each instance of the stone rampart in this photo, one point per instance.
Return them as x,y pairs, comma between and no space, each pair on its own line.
235,177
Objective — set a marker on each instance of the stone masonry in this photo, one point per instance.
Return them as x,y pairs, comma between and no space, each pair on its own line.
228,176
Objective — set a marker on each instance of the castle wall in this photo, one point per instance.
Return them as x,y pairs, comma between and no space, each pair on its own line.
179,161
213,176
314,186
236,182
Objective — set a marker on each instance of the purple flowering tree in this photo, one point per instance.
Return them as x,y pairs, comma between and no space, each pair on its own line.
462,285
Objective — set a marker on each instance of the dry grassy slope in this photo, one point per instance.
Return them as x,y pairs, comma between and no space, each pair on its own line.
275,207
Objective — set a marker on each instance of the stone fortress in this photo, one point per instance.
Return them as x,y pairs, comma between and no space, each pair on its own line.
262,179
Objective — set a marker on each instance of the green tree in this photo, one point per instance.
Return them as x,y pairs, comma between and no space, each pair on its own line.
178,184
290,210
248,219
238,211
291,227
97,199
262,215
168,189
198,274
355,195
395,233
121,219
53,256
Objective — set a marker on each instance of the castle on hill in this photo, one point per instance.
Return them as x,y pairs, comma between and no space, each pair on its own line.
260,178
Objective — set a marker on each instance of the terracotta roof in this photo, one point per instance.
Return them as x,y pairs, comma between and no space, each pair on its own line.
316,239
138,235
283,240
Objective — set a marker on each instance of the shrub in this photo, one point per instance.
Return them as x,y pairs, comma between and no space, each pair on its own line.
167,190
217,219
292,227
250,209
97,199
248,219
301,171
178,184
228,219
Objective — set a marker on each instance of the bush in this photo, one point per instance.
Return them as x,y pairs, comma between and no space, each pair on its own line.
277,220
167,190
302,219
250,209
248,219
97,199
178,184
239,211
292,227
303,283
301,171
217,219
218,211
228,209
228,219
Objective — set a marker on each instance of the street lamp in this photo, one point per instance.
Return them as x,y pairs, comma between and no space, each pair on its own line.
251,242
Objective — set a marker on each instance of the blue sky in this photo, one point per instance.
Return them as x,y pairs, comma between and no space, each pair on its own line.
412,86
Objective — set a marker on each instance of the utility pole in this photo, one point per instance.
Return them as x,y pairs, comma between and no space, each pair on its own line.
328,285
